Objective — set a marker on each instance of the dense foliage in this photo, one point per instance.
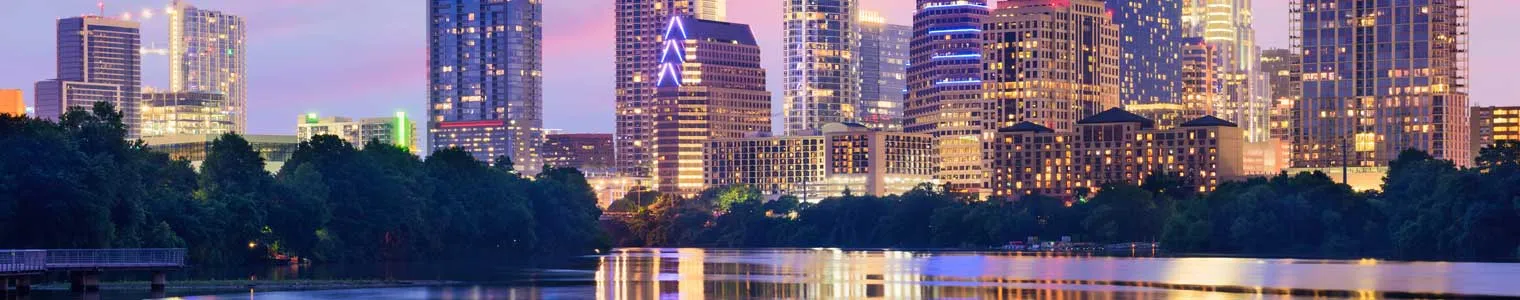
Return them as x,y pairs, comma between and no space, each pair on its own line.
1430,209
77,183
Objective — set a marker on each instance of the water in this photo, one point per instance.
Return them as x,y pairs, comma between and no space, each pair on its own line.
837,274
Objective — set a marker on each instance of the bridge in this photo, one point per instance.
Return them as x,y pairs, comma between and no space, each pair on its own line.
18,267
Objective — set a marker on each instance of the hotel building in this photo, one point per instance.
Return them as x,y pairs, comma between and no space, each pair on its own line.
822,83
207,54
1050,62
944,89
641,28
398,130
845,157
485,80
1492,124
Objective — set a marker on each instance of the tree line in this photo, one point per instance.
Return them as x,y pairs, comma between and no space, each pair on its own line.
1428,209
78,183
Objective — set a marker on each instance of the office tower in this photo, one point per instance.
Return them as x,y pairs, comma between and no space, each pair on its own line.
98,61
485,79
1050,62
11,102
1150,38
843,157
1279,65
640,28
1492,124
397,130
1201,79
1379,77
177,113
883,70
206,54
1226,24
1113,147
944,88
591,153
710,86
822,71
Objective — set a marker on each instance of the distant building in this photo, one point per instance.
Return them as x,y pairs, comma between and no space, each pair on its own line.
1111,148
591,153
186,113
274,149
485,79
640,26
822,70
1049,62
1494,123
945,89
11,102
207,54
883,71
99,60
1280,67
397,130
1226,25
845,157
1202,81
1151,39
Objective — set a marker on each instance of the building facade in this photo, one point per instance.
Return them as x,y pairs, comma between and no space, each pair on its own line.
98,61
398,130
1379,77
1202,82
944,97
843,158
186,113
640,28
1280,67
1050,62
11,102
592,153
883,70
486,79
1227,26
822,83
710,86
1150,38
1114,147
274,149
207,54
1492,124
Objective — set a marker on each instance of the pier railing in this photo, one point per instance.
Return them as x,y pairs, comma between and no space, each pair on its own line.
91,259
23,261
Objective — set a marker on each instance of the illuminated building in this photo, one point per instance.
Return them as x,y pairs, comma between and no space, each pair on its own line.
1279,67
185,113
883,70
11,102
207,54
710,86
1226,26
1050,62
640,28
485,79
1150,34
944,88
822,64
1201,81
1379,77
1494,123
1113,147
98,61
845,156
397,130
274,149
591,153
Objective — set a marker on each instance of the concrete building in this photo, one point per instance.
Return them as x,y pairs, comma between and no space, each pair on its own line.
274,149
640,26
11,102
710,86
822,64
592,153
1492,124
1227,26
98,61
486,79
397,130
1379,77
186,113
945,92
1202,82
1111,148
883,70
1050,62
207,54
845,157
1150,38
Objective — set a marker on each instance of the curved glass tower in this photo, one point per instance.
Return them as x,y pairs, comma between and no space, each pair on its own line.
944,87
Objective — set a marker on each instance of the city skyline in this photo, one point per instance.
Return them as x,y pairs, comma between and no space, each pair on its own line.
284,35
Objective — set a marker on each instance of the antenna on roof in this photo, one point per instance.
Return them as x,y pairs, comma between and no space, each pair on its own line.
102,5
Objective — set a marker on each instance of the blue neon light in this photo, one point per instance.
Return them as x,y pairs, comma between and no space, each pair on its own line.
959,81
674,23
957,5
956,56
959,30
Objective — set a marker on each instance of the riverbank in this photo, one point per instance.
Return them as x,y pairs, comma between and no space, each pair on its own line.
261,285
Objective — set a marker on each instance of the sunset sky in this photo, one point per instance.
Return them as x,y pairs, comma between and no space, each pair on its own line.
364,58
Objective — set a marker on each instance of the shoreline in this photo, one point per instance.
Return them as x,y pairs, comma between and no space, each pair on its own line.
261,285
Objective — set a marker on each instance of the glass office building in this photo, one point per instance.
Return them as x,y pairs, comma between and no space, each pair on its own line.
822,69
485,79
98,61
883,70
1151,40
207,54
641,28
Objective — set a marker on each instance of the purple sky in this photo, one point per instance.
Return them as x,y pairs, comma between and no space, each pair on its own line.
363,58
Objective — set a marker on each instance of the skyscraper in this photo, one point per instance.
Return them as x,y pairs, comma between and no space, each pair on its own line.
1201,81
822,74
485,79
1226,25
1280,67
883,70
1379,77
1050,62
206,54
1150,36
98,61
709,86
640,28
944,88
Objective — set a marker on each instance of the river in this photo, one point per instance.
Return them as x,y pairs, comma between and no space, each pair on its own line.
878,274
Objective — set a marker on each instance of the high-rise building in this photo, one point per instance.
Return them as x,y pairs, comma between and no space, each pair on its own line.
944,96
591,153
179,113
1279,65
640,29
844,157
1379,77
1150,38
1050,62
1226,25
710,86
485,79
1202,83
397,130
883,70
11,102
206,54
98,61
1492,124
822,70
